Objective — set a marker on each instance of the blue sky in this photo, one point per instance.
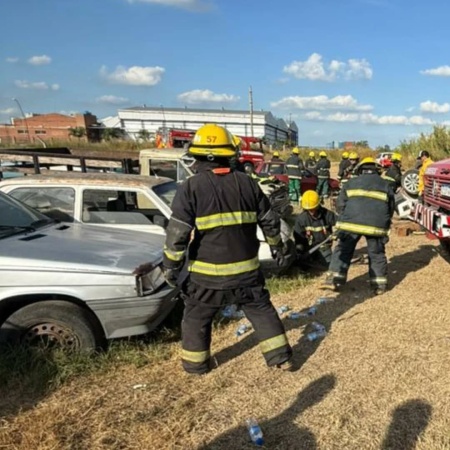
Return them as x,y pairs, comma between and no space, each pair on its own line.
377,70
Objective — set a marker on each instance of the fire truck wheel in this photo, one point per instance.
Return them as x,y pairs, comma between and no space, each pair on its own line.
410,182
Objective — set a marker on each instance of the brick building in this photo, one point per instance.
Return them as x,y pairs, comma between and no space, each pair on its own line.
47,127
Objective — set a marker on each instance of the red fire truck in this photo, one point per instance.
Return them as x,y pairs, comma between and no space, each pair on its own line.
434,213
173,137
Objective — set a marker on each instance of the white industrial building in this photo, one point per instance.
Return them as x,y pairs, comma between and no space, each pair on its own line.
238,122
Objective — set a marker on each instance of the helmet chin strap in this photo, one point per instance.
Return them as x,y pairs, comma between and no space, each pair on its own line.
210,157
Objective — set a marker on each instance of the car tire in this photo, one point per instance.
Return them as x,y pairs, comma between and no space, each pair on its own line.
53,323
410,182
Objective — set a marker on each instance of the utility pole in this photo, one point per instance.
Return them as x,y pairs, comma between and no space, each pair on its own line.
250,99
24,118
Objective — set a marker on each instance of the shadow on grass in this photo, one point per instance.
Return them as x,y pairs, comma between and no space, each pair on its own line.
356,291
281,432
409,421
26,374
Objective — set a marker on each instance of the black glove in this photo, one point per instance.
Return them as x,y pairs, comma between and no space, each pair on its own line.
171,276
280,254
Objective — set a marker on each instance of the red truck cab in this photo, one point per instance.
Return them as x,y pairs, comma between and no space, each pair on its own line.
251,151
434,213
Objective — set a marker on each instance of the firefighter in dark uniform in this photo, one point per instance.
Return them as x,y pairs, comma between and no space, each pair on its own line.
276,157
394,173
311,162
343,164
294,167
221,208
323,175
365,206
353,159
313,226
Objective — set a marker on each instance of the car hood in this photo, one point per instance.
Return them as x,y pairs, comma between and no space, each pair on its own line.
78,247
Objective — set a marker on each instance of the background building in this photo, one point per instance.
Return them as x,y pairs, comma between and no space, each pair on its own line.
151,119
48,127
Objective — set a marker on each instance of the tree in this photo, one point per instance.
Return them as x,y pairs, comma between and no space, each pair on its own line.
364,144
112,133
77,132
144,135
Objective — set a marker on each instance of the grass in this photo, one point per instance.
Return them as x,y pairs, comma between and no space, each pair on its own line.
376,381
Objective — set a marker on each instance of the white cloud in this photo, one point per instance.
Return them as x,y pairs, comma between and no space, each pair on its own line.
442,71
40,85
433,107
39,60
367,118
314,68
7,111
134,76
111,100
321,103
193,5
198,96
12,59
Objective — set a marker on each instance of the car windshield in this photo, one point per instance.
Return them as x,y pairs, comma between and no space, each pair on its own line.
15,217
166,192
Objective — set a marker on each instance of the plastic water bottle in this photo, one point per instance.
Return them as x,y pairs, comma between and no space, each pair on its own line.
242,329
318,326
283,309
231,312
323,300
311,311
296,315
316,335
255,432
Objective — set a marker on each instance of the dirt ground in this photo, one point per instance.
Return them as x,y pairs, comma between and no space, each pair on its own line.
378,380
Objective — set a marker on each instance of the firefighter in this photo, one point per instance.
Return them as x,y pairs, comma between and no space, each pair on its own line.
425,162
294,166
353,158
394,173
221,208
311,162
276,157
344,163
365,206
313,226
323,175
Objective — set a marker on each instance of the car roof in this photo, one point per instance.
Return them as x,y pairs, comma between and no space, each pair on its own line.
80,178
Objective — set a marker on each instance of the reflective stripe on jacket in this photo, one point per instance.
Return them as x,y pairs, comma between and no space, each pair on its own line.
294,166
366,205
223,209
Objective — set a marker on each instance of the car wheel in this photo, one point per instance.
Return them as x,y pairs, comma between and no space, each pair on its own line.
410,182
53,324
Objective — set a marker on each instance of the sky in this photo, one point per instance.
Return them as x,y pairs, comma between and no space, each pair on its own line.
343,70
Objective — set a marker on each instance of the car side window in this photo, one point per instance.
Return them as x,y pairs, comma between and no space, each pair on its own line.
114,206
55,202
162,168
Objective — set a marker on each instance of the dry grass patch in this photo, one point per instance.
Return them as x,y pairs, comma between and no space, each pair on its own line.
376,381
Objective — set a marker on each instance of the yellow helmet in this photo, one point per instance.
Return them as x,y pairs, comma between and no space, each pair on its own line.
368,163
353,155
345,155
322,153
276,154
295,150
396,157
311,154
212,139
310,200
